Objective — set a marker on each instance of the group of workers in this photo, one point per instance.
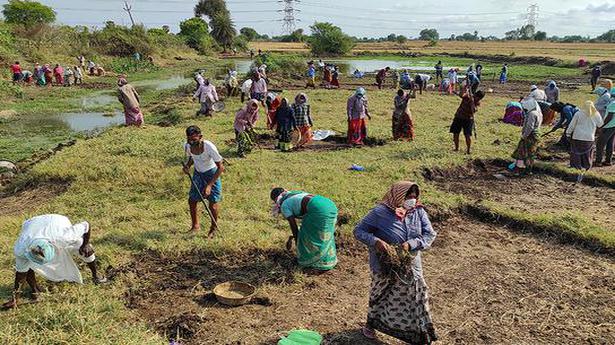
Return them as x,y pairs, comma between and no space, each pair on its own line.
45,75
396,230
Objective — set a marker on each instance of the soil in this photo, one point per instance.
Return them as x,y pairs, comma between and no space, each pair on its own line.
488,286
534,194
17,200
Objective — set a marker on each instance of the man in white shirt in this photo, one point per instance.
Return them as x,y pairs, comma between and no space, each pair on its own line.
46,246
537,94
208,167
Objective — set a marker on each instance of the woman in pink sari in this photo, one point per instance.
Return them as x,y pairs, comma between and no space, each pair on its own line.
129,98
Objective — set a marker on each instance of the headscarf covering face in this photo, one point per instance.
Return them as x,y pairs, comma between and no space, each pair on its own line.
251,106
284,103
396,195
590,109
41,252
276,209
360,92
552,84
533,87
600,91
299,98
608,83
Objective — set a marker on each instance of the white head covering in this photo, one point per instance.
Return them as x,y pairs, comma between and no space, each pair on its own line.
533,87
530,104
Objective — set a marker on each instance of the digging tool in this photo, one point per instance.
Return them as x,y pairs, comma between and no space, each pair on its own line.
213,220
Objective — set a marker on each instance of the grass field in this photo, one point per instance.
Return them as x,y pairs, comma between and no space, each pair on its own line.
568,52
128,184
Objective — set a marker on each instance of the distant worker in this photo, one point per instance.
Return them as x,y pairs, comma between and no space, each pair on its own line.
16,70
420,81
537,94
552,92
504,74
128,96
439,75
464,118
78,75
596,74
311,76
381,76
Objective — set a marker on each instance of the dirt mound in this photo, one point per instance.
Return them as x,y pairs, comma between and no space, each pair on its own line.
526,60
538,194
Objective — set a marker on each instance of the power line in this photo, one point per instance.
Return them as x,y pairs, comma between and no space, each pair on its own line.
532,15
288,24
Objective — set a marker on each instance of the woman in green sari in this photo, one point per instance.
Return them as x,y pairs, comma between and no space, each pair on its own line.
315,239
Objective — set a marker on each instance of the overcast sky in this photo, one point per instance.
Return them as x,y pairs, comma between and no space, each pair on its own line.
361,17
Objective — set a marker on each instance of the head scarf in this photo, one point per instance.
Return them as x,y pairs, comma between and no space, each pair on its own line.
298,101
271,96
533,87
552,84
122,81
284,103
600,91
395,197
590,109
249,107
529,104
40,252
276,209
360,92
608,83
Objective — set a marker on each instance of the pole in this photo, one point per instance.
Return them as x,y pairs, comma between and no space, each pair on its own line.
128,8
213,220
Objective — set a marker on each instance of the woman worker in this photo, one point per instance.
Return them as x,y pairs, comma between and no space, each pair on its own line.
315,239
399,299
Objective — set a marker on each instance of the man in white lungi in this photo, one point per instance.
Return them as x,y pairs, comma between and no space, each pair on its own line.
46,245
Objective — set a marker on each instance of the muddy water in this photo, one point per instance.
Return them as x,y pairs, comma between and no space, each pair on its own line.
90,121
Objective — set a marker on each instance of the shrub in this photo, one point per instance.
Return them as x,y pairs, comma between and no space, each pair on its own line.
118,40
328,39
127,65
28,13
282,64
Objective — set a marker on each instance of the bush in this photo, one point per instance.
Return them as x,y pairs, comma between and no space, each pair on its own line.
28,13
127,65
282,64
8,52
118,40
328,39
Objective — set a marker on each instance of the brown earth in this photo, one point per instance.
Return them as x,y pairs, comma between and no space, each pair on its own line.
488,286
19,199
536,194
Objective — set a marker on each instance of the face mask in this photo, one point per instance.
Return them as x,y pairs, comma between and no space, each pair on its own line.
409,204
194,143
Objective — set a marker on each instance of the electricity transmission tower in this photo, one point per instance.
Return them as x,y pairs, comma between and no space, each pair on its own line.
289,20
532,15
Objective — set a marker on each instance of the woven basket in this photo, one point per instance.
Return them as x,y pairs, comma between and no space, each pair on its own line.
234,293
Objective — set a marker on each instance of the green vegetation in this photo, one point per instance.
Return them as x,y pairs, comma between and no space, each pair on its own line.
28,13
195,32
285,65
328,39
429,35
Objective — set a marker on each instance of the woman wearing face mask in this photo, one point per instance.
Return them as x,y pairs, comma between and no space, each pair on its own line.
399,299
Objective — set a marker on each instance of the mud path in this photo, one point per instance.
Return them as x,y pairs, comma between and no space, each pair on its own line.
488,285
536,194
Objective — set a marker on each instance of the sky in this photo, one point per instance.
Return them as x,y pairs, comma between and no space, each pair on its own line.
361,18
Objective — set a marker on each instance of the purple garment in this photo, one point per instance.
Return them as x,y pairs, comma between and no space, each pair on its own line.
381,222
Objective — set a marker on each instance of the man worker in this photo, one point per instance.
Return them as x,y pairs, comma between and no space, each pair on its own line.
439,76
421,80
464,118
46,245
596,74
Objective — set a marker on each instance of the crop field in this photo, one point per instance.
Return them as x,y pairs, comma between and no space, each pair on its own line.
517,260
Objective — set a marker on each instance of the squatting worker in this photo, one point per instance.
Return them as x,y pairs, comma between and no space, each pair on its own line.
315,239
208,167
46,245
464,118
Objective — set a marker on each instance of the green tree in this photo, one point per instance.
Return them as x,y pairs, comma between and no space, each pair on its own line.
608,36
249,33
223,30
401,39
429,35
526,32
329,39
28,13
195,33
210,8
540,36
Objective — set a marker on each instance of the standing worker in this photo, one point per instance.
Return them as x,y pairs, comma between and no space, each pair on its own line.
208,168
464,118
439,75
207,96
504,74
357,111
128,96
311,76
16,71
46,245
606,137
596,73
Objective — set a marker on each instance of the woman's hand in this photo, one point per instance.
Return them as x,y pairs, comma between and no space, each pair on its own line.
382,246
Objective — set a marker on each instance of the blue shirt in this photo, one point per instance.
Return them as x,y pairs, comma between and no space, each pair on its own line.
566,116
382,223
311,72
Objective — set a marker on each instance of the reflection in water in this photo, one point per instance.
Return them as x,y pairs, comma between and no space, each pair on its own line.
98,99
88,121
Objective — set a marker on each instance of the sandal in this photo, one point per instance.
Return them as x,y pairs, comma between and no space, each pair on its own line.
368,333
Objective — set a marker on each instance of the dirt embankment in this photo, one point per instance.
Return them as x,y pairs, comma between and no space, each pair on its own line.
488,286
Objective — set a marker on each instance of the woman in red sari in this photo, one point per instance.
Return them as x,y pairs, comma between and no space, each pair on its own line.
358,112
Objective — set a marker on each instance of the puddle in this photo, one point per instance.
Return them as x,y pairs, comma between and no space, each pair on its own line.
89,121
349,66
97,99
162,84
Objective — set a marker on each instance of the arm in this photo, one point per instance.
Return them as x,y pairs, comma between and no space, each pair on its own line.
197,94
215,93
428,234
363,231
292,221
309,116
136,95
608,119
367,110
349,108
528,125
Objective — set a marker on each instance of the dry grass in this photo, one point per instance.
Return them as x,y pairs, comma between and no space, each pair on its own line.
565,51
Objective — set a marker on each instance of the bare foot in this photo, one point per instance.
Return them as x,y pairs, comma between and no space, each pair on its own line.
195,228
212,233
